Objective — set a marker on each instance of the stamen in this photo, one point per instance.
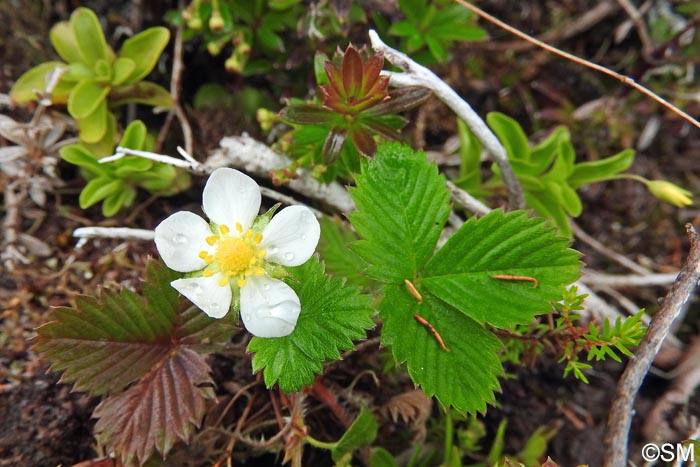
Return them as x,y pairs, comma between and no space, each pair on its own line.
258,238
259,271
203,254
248,234
224,229
209,259
223,282
212,239
262,253
239,227
208,272
241,282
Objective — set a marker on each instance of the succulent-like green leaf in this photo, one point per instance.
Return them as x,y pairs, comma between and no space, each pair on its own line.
465,373
98,189
143,92
462,272
94,127
63,41
104,346
361,433
86,98
585,173
89,37
510,134
122,69
78,155
134,135
33,80
402,206
144,49
332,316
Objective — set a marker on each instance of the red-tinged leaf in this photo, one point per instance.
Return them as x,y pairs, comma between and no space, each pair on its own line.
104,346
333,145
164,407
400,100
364,142
335,79
370,75
352,73
382,129
307,114
379,88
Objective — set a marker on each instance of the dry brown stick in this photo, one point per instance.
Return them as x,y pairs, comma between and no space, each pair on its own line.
567,30
620,418
636,18
624,79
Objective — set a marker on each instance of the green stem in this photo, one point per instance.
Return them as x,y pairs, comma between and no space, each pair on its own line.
320,444
628,177
447,456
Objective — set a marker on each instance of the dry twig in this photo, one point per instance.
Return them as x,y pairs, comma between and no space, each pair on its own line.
620,418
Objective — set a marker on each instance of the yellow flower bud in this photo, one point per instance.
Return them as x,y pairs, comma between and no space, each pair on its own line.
670,193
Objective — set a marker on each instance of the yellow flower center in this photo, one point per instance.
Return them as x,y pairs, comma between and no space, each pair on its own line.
236,255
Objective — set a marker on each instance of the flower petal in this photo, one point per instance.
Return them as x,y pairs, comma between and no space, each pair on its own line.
269,307
206,293
180,238
231,197
291,236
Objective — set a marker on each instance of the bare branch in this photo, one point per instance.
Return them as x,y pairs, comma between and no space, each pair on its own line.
418,75
620,418
594,278
467,201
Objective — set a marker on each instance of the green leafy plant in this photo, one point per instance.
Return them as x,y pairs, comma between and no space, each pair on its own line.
549,172
571,342
115,183
436,305
93,79
435,26
356,104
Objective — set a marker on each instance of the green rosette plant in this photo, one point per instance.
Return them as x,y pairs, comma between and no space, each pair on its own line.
92,79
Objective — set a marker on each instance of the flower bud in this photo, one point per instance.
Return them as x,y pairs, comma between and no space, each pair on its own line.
216,22
670,193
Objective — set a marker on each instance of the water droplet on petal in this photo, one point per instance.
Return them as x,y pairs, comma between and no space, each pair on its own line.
303,236
247,317
289,256
287,311
180,239
196,288
242,189
266,286
272,250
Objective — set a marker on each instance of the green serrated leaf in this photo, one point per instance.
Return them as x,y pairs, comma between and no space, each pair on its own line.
332,316
465,377
35,79
461,272
144,49
402,206
340,261
361,433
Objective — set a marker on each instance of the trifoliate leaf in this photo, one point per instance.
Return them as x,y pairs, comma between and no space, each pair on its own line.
105,345
464,372
361,433
402,206
332,316
502,245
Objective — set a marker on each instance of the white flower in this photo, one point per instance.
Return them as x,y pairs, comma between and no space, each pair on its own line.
232,254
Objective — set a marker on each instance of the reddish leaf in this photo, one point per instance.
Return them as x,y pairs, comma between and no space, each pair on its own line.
105,345
364,142
370,75
333,145
335,79
162,408
307,114
382,129
352,74
400,100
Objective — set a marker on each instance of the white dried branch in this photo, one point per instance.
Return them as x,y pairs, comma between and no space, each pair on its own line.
418,75
467,201
123,233
257,158
190,163
593,278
